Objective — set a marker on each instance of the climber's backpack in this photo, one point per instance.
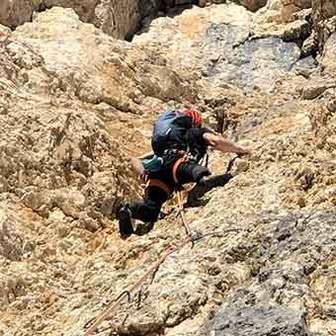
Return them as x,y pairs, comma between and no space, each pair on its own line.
170,132
153,163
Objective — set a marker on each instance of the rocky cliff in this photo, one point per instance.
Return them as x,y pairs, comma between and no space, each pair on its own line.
75,104
120,19
324,18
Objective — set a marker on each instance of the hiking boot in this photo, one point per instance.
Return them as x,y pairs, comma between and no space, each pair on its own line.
215,181
125,221
199,173
143,228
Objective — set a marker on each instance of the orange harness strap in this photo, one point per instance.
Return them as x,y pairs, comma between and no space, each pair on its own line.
176,165
159,184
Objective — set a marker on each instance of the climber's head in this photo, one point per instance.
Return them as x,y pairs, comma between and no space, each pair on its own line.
195,116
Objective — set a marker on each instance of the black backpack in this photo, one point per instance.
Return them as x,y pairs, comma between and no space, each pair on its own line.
170,132
173,130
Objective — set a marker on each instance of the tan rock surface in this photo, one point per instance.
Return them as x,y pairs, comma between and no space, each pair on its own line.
323,13
252,5
120,19
115,18
328,60
282,11
74,104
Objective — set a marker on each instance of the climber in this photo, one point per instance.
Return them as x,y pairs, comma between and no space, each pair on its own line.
179,143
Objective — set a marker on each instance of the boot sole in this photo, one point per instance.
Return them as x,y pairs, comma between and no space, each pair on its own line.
125,224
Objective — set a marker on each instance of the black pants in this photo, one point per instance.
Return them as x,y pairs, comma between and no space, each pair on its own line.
149,209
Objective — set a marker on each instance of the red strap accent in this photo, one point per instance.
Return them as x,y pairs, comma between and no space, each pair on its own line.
159,184
176,165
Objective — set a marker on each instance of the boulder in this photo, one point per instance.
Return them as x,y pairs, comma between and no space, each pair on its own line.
259,320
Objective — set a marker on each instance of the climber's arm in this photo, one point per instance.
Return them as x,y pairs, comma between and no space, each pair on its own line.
138,166
219,143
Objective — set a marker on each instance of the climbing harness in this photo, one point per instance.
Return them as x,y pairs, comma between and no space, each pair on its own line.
159,184
177,164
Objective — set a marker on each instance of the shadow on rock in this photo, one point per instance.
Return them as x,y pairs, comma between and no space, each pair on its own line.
195,195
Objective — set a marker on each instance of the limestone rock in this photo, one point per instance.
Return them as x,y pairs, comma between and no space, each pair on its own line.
85,9
4,30
13,13
295,31
322,120
310,45
305,67
323,11
215,42
320,281
328,60
252,5
120,19
45,63
11,241
281,11
75,104
97,81
316,87
258,321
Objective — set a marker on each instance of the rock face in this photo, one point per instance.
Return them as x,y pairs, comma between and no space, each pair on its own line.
258,321
93,81
282,11
15,12
252,5
120,19
323,13
217,44
328,57
75,104
60,79
68,92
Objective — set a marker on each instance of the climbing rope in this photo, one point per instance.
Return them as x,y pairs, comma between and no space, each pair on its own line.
181,210
152,270
191,238
181,213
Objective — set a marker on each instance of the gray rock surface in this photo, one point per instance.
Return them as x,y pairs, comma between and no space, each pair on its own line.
258,320
218,45
252,65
